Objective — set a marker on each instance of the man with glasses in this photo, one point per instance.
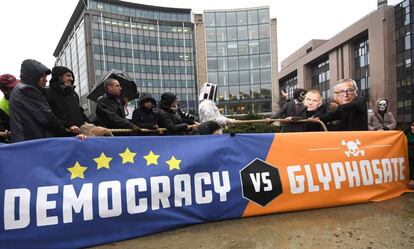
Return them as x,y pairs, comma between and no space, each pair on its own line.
352,108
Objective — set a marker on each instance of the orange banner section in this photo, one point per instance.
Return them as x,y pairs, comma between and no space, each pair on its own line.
325,169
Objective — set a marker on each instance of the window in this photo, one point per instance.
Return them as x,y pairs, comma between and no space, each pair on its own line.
264,31
233,63
243,47
265,61
252,16
242,33
210,34
253,47
212,64
222,64
231,33
232,48
253,32
244,77
221,34
233,78
242,18
222,79
221,19
263,15
264,46
231,19
243,62
211,49
221,48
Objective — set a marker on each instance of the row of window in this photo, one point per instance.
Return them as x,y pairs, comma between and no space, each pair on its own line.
404,25
139,54
166,83
118,23
238,33
320,76
236,18
289,84
127,67
244,92
238,48
241,77
238,62
136,12
147,40
235,107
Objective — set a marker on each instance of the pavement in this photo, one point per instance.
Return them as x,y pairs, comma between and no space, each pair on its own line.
386,224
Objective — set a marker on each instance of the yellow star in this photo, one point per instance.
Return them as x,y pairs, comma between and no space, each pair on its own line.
102,161
127,156
77,171
151,158
173,163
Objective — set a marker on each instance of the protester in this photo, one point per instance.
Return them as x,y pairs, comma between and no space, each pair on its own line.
207,108
110,112
63,99
210,128
409,132
381,119
145,116
170,118
314,108
351,110
292,107
30,115
7,83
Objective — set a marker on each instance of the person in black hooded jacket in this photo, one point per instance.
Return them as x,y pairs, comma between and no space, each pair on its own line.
63,99
144,116
170,118
30,115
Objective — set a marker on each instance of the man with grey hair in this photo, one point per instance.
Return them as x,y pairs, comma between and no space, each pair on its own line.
352,108
110,112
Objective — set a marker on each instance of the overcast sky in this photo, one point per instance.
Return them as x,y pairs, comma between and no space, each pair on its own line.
32,29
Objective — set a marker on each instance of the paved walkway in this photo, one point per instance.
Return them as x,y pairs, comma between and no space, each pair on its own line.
387,224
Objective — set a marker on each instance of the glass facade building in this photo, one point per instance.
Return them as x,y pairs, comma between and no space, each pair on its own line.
238,52
320,78
153,45
289,83
73,56
361,55
404,28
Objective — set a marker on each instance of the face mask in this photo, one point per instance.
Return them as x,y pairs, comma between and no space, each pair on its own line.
382,105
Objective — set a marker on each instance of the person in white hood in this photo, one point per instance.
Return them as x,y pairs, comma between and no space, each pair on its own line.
207,108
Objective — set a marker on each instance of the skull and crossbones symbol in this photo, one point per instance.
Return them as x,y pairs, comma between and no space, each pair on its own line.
353,149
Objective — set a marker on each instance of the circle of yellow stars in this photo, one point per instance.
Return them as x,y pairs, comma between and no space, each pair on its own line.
128,157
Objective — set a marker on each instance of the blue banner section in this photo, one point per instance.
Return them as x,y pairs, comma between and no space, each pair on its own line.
68,193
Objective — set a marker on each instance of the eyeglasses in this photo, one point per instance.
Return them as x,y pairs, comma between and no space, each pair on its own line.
344,92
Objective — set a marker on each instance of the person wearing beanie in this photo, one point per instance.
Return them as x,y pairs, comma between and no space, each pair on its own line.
380,119
145,116
64,101
7,83
293,107
30,114
170,118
